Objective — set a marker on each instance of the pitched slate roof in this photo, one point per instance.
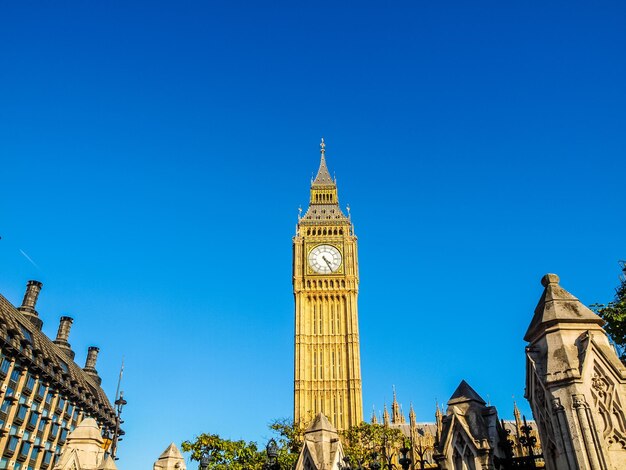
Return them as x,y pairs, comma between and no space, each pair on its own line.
464,393
324,213
40,355
323,177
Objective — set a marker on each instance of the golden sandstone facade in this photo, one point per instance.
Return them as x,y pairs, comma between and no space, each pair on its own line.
327,375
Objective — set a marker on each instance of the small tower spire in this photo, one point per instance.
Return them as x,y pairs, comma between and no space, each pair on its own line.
438,418
412,419
323,178
396,414
374,419
385,416
518,417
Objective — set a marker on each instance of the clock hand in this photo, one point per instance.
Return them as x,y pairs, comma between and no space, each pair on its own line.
328,263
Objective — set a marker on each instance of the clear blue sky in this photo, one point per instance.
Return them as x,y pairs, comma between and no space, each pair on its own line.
154,156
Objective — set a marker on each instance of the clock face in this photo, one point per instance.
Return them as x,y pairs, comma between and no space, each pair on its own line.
325,259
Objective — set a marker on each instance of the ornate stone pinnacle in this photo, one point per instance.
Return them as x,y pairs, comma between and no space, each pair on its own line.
549,279
323,147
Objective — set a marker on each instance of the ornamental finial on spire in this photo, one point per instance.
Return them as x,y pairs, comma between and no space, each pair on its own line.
323,176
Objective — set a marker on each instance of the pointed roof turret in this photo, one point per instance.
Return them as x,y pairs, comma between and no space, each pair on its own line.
320,423
464,393
374,420
396,410
556,305
518,417
323,175
170,459
324,201
412,418
322,447
438,420
385,416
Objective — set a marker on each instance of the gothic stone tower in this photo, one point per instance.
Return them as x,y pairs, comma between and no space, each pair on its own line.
575,383
327,375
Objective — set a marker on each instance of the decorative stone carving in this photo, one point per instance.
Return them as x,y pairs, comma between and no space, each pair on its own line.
556,405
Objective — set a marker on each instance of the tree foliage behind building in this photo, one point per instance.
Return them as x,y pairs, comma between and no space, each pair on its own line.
360,444
368,441
614,313
241,455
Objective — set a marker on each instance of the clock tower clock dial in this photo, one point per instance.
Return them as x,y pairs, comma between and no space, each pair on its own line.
325,259
327,364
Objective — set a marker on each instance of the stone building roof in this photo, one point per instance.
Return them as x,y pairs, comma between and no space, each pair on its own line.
40,355
324,211
556,305
467,409
322,449
323,175
170,459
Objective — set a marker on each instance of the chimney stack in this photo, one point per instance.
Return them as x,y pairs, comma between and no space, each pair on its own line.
90,364
30,300
63,335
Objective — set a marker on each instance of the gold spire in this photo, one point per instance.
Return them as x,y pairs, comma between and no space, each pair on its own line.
374,419
322,147
517,415
396,413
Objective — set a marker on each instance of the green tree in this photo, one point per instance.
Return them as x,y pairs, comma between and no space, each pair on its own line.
241,455
614,313
361,442
290,437
225,454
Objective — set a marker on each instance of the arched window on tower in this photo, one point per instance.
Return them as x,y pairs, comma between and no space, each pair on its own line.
321,365
340,409
319,319
339,364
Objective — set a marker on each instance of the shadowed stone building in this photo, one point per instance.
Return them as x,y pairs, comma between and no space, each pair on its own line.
44,394
470,435
460,432
322,448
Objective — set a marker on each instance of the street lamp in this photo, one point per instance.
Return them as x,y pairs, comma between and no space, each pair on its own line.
272,453
117,432
204,461
404,461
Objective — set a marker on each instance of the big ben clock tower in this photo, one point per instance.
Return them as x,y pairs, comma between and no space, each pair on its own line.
327,366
